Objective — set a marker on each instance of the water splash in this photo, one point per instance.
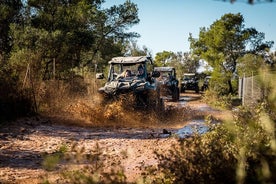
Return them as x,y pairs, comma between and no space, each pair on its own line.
196,126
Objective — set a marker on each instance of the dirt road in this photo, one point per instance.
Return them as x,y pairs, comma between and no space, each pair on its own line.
23,143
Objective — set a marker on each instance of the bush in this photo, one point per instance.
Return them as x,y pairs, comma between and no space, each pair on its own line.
241,151
219,101
254,134
15,102
199,159
91,166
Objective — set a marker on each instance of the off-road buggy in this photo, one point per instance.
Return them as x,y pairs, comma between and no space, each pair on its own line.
168,82
205,84
189,82
130,76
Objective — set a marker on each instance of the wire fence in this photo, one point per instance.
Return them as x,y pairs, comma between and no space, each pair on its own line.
254,89
250,90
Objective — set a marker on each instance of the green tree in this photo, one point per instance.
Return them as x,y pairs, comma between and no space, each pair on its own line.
249,65
110,29
190,63
9,13
68,27
182,62
163,58
74,33
29,50
133,49
224,42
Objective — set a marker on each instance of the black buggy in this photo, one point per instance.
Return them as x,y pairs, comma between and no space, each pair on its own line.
131,76
168,82
189,82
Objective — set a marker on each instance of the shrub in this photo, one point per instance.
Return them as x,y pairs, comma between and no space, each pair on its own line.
14,101
199,159
214,99
241,151
91,166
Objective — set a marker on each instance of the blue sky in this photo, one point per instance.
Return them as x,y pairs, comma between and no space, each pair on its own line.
165,24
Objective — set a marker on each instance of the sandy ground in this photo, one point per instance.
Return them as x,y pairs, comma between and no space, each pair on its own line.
24,143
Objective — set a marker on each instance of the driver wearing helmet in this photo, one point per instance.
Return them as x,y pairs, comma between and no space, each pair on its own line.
141,72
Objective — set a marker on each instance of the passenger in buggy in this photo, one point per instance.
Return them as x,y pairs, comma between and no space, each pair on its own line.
125,74
141,72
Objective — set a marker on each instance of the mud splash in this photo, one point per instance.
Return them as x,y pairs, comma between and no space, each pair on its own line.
122,113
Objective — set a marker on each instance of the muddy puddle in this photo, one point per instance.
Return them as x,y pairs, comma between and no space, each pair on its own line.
193,127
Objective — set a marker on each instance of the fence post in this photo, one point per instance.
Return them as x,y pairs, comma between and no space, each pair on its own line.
252,86
240,87
243,89
95,80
